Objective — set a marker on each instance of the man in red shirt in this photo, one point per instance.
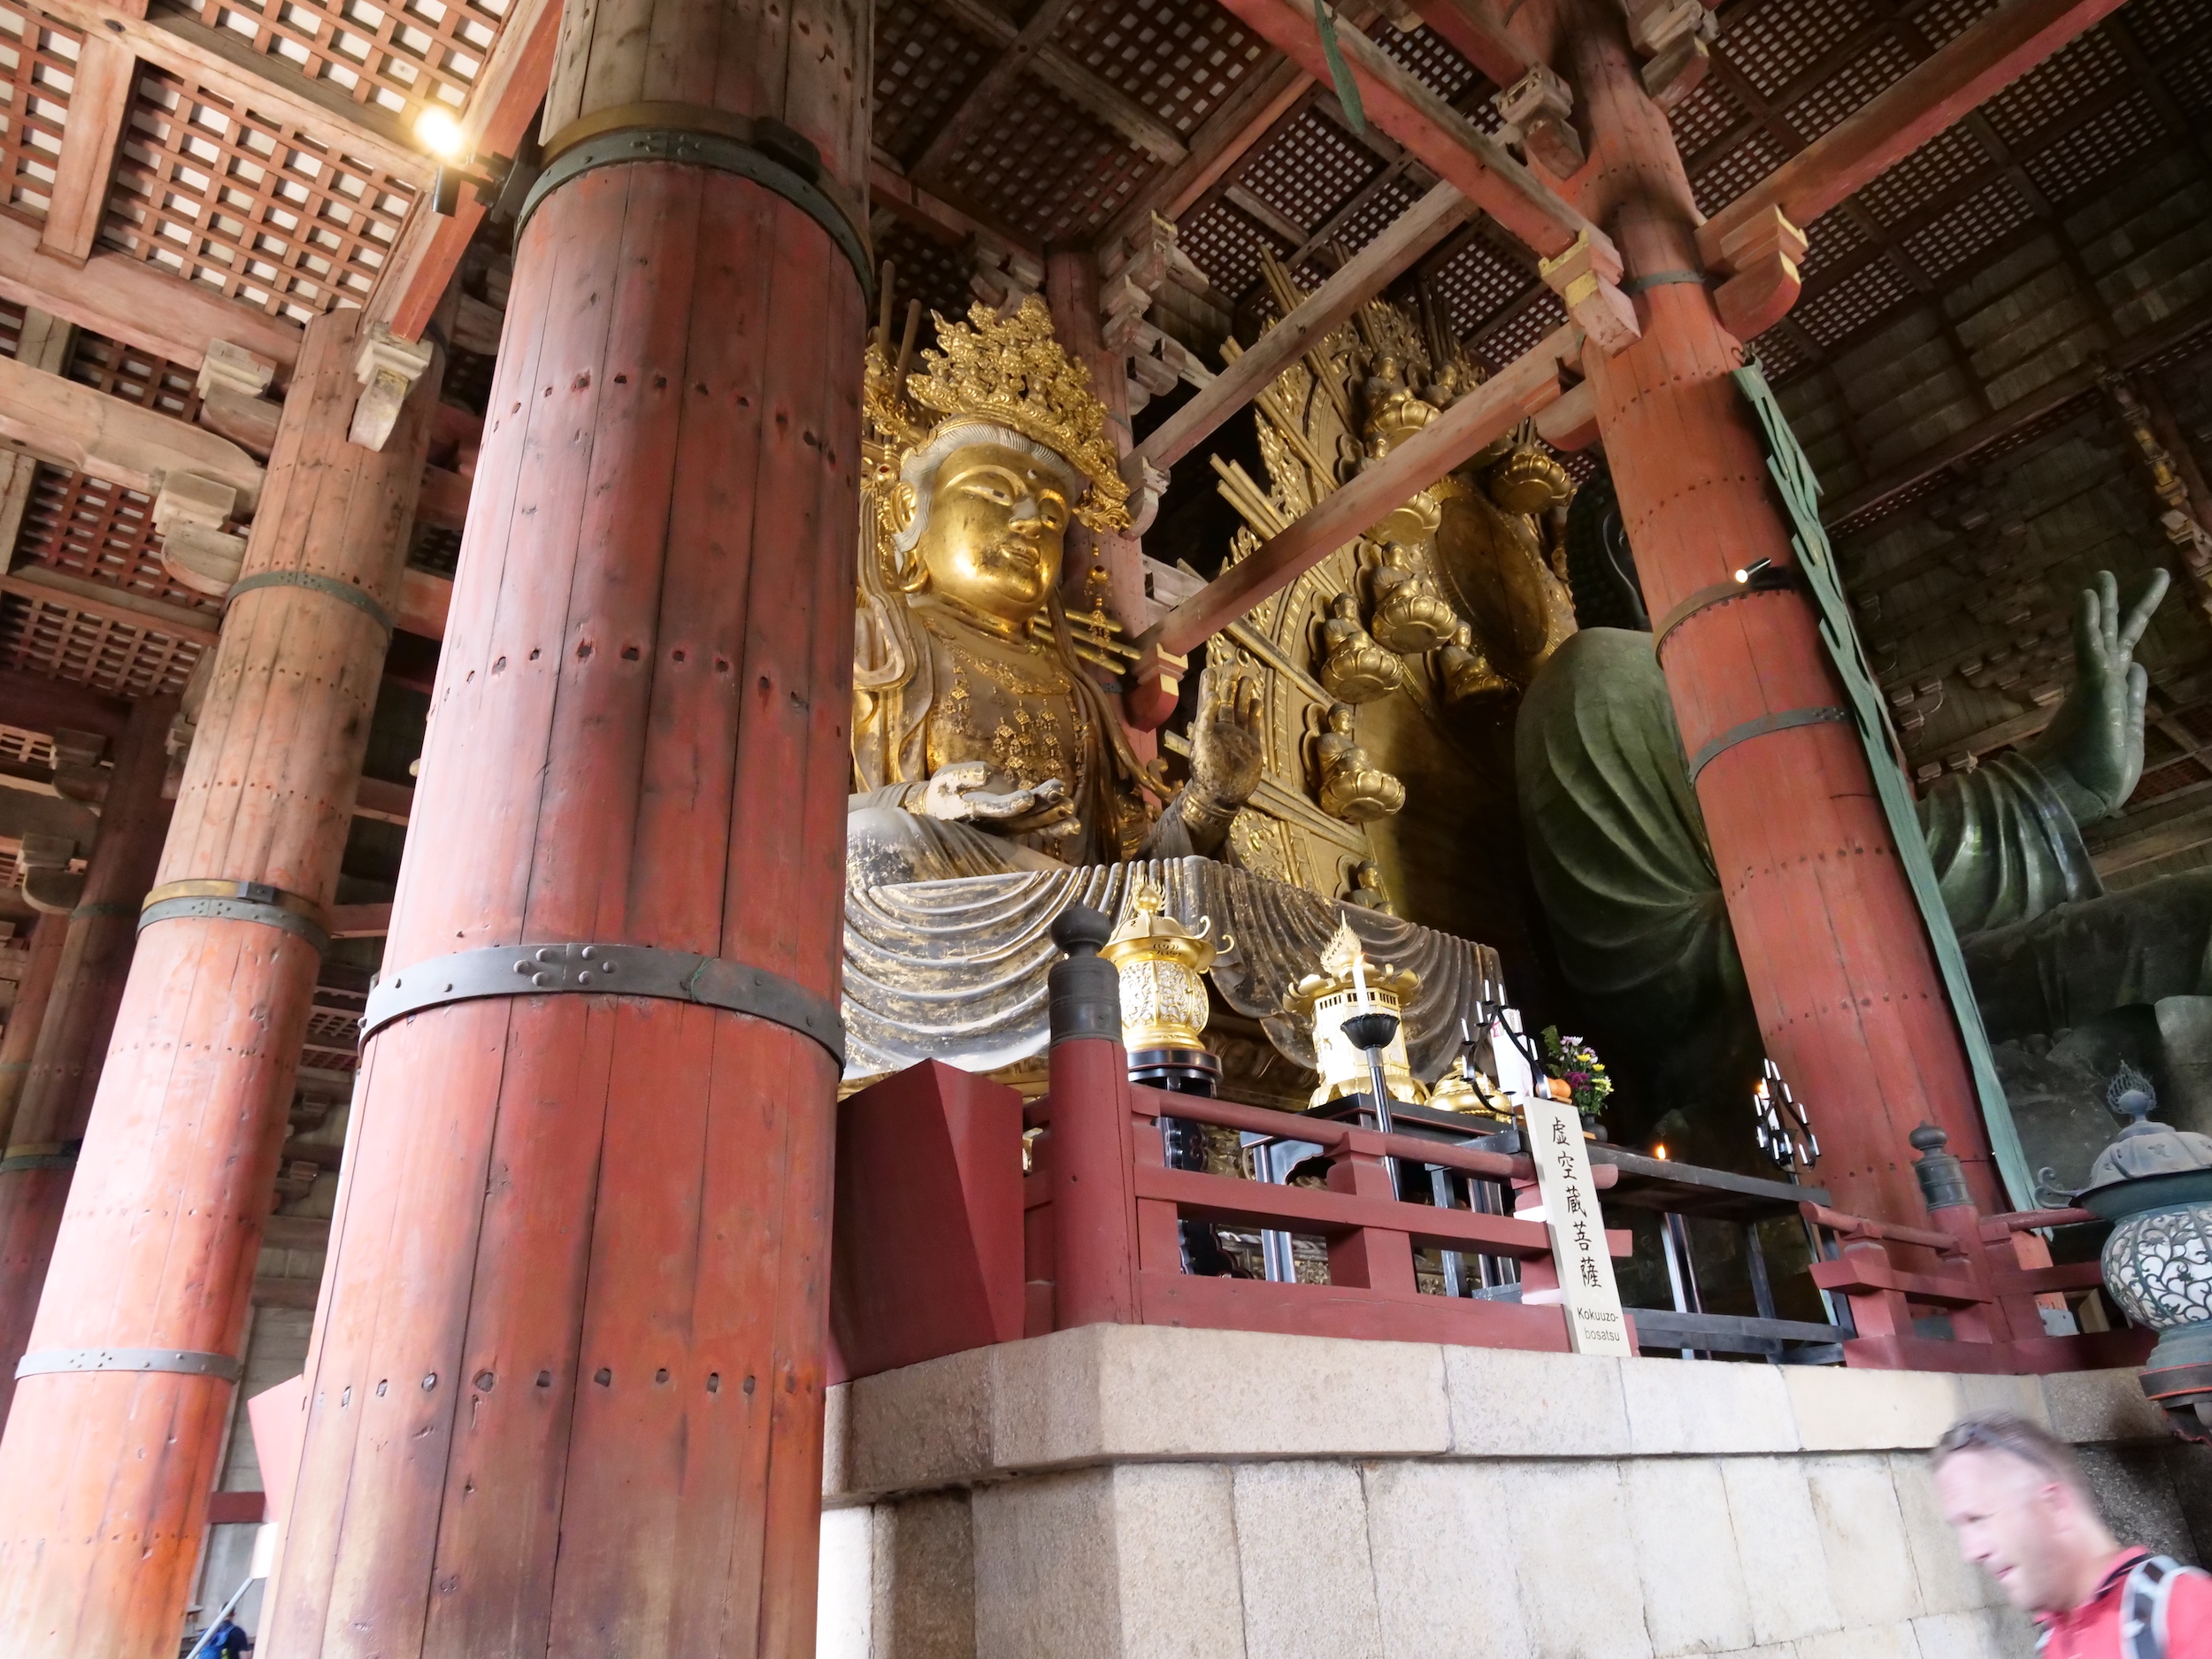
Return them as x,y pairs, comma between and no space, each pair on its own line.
2024,1514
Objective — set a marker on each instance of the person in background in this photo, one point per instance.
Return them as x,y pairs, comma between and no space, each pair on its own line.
222,1640
2015,1496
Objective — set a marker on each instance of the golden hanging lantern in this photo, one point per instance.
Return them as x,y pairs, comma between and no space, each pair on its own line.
1162,964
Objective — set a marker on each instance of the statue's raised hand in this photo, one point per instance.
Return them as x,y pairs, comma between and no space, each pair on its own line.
969,792
2092,751
1225,740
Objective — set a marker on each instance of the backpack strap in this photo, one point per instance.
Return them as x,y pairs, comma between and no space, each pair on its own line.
2143,1604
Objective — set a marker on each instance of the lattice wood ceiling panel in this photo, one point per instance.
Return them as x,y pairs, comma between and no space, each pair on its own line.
1724,179
2044,94
927,269
1883,61
1433,60
1522,330
135,376
12,320
1047,166
2190,80
925,65
1776,43
38,65
1831,236
1476,284
45,638
1311,170
1943,21
227,196
1177,60
1374,215
1869,293
1970,229
1704,118
399,57
1913,183
1226,245
2070,165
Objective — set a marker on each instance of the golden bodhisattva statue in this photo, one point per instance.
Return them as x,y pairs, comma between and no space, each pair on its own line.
980,742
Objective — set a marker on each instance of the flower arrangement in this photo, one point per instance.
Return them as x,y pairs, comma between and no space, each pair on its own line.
1576,1064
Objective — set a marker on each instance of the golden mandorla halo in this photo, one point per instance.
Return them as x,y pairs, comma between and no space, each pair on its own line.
1012,372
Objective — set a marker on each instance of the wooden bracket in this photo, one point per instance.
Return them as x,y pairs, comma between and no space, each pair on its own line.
1587,277
1539,109
1763,253
388,369
1154,686
190,512
1571,422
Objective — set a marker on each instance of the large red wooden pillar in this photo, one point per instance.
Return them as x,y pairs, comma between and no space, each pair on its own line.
116,1435
564,1396
1849,996
72,1039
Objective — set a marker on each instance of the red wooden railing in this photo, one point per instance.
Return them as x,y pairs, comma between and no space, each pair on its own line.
941,1245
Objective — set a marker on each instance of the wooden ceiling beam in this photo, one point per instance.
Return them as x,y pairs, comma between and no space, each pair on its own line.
1368,273
500,112
42,586
99,107
1085,90
106,437
137,303
947,221
1453,148
1467,26
32,702
1479,417
228,65
1245,116
1980,62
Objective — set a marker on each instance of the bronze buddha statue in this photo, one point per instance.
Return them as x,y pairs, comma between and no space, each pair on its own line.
980,742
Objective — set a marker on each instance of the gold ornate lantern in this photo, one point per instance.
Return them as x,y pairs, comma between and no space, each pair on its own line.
1333,996
1163,965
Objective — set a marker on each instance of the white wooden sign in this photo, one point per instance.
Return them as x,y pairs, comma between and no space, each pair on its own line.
1594,1321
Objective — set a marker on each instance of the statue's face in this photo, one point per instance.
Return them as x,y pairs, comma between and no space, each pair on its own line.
997,520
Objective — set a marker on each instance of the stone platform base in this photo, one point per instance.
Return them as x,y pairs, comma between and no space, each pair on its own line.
1144,1493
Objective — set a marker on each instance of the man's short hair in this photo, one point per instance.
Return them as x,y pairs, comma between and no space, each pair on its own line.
2003,1432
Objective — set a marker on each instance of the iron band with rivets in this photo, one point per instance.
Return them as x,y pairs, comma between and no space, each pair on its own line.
1782,721
40,1155
185,1361
237,900
328,586
724,152
606,970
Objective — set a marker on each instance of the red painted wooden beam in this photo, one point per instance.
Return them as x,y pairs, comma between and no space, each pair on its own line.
1453,148
33,703
1487,412
1468,26
504,104
1972,69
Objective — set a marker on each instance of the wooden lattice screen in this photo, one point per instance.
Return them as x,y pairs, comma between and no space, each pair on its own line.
48,638
38,63
135,376
269,215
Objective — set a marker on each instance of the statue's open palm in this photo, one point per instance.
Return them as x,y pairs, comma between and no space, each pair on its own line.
2092,751
1225,752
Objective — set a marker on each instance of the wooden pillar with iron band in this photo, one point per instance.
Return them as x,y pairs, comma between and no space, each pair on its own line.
564,1395
122,1401
42,1148
1849,996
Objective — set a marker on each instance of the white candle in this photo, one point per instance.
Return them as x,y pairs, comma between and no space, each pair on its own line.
1359,976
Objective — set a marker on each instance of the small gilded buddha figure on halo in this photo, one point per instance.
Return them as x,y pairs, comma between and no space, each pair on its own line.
981,744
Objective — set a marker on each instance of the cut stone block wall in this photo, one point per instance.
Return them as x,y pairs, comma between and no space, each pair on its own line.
1145,1492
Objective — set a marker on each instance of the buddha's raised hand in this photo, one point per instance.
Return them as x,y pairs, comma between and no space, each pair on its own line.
2092,751
1225,740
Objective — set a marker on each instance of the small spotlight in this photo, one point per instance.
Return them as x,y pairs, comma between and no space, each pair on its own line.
441,134
1660,1150
1753,569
